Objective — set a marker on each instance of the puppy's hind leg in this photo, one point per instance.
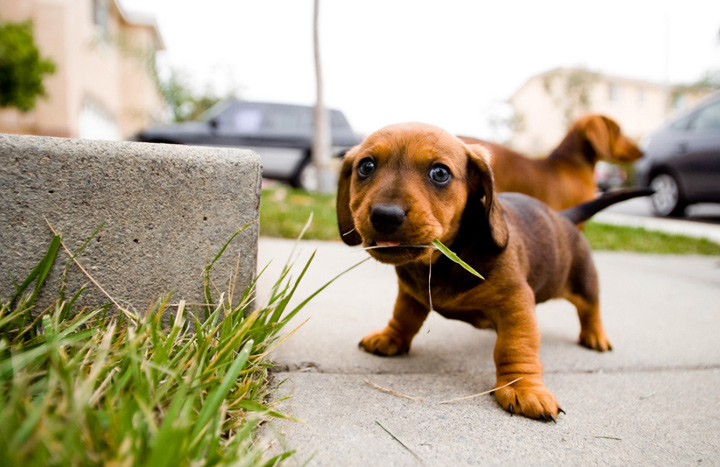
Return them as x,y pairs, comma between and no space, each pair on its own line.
396,337
592,333
583,291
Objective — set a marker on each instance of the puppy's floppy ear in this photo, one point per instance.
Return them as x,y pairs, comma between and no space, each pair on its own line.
481,194
345,220
602,133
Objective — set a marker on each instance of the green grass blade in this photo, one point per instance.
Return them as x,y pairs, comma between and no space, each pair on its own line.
231,344
278,459
455,258
172,434
215,399
79,321
253,406
19,361
206,271
280,309
87,242
305,302
39,272
25,430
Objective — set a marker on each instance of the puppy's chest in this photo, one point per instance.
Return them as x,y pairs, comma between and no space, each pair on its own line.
452,291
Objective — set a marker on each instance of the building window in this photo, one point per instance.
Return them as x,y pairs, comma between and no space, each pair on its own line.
101,14
96,122
641,96
614,92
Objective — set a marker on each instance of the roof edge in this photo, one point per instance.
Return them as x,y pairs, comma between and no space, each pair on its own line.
141,19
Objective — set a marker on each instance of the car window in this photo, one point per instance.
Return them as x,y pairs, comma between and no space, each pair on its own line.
259,119
287,120
339,123
707,118
337,120
683,123
247,121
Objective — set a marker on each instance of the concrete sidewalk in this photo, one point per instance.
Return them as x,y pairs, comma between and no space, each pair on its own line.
653,400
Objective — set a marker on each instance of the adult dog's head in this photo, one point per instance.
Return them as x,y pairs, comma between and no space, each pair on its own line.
409,184
607,141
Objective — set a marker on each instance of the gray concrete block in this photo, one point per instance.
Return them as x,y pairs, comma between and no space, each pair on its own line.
167,210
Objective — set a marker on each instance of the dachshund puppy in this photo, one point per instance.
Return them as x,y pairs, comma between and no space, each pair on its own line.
409,184
566,177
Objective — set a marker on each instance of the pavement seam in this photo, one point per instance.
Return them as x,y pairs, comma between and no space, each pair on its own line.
315,368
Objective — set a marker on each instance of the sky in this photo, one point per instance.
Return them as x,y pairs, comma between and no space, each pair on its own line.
452,63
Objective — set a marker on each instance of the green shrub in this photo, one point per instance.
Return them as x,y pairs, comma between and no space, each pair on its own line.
22,70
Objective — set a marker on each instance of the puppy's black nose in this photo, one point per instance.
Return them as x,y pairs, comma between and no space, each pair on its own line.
386,218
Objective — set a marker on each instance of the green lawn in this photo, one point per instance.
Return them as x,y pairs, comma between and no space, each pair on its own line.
639,240
284,211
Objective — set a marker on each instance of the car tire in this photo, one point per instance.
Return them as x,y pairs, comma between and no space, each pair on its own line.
306,176
667,201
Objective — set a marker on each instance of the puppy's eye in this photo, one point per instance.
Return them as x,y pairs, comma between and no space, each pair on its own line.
439,174
366,168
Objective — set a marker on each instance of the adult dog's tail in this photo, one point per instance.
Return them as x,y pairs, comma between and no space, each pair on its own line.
582,212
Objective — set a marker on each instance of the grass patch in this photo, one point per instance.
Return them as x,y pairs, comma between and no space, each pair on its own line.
84,387
640,240
283,212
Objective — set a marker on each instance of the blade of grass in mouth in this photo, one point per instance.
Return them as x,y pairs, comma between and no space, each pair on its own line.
455,258
437,245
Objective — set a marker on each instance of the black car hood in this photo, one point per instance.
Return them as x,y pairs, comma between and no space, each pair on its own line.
176,132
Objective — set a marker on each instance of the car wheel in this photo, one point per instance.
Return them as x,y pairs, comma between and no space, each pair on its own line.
667,200
306,177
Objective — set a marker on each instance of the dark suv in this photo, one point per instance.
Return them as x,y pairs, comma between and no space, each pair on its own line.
681,160
281,134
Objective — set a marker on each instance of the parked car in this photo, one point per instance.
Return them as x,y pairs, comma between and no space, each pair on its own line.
281,134
609,176
681,160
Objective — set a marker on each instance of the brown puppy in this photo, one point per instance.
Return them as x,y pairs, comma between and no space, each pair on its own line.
565,177
409,184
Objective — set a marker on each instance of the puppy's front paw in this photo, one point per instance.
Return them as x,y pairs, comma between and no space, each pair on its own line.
595,340
528,398
385,342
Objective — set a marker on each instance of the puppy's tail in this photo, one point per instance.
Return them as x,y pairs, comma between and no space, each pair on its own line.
582,212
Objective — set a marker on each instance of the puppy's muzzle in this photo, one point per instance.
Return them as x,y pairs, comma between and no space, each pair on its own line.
387,218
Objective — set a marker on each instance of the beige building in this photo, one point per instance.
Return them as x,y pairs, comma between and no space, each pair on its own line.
548,103
104,85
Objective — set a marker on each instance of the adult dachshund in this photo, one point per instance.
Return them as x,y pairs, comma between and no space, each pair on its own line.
565,177
410,184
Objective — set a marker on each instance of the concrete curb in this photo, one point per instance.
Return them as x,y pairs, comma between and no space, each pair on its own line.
167,210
